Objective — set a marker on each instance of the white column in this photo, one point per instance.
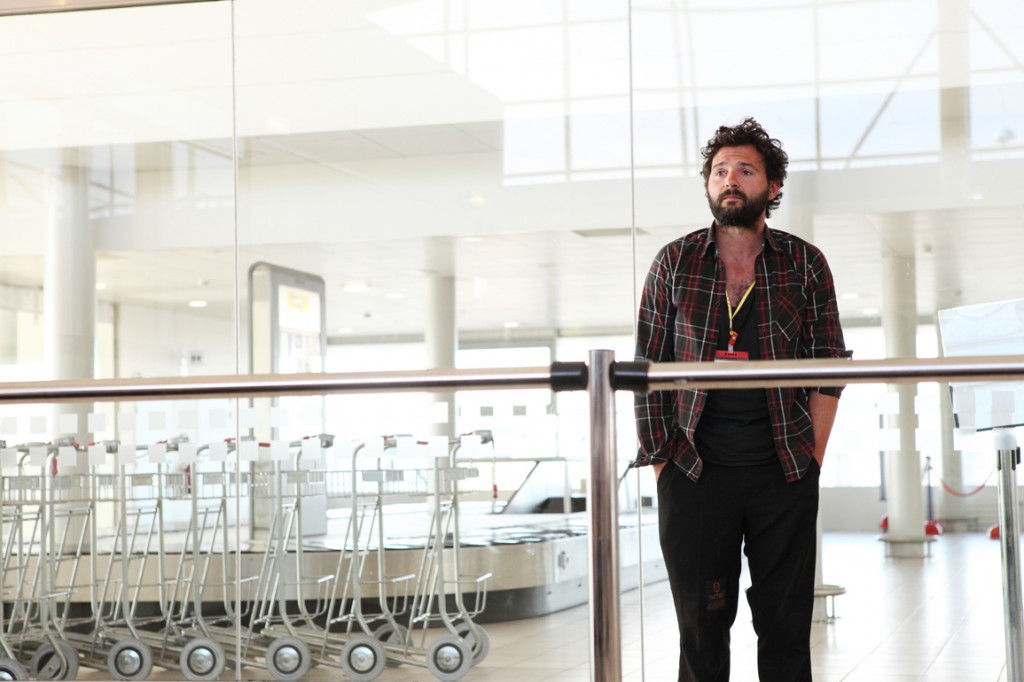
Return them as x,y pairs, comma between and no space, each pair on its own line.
69,287
69,315
798,219
906,535
440,334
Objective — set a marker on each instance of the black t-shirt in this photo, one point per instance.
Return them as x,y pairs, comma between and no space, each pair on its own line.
735,428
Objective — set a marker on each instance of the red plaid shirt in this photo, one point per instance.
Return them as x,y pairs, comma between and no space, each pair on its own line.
678,321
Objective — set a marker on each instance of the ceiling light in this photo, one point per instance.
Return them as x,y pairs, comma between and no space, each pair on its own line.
345,330
197,304
394,295
356,286
870,312
100,286
511,325
477,200
850,296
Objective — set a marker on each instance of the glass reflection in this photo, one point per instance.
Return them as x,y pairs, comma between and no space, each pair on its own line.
527,158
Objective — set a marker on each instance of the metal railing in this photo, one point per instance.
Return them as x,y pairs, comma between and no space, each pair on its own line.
758,373
601,376
560,376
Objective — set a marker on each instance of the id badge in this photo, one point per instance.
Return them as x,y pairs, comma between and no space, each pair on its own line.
731,356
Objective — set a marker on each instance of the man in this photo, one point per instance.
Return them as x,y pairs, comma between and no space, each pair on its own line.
739,468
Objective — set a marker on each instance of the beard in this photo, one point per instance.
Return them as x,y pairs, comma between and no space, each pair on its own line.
747,214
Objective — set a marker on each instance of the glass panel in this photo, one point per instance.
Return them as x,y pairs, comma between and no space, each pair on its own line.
117,209
902,134
213,187
457,175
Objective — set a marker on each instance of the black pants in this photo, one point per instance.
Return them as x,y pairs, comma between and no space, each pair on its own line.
703,527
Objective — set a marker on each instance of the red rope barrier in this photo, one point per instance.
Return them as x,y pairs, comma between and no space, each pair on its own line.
951,491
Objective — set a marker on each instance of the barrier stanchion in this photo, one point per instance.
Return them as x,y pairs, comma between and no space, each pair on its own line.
602,511
1009,458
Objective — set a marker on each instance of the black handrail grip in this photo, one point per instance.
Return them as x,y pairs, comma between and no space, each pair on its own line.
630,376
569,376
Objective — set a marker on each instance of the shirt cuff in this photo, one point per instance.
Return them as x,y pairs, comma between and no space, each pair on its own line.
646,460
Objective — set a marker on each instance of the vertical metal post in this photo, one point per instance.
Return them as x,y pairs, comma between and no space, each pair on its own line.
602,510
1009,536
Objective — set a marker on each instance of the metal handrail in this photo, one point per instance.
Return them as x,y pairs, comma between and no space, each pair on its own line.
558,376
639,376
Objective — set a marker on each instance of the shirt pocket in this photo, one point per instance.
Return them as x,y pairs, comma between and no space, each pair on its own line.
789,305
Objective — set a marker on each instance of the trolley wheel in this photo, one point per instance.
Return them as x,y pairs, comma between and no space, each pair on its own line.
392,634
363,659
202,659
10,669
449,658
130,659
288,659
477,639
49,664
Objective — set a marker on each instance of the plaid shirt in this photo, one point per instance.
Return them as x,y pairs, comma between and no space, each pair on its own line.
680,310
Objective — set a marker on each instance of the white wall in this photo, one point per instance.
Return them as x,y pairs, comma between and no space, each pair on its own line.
860,510
161,342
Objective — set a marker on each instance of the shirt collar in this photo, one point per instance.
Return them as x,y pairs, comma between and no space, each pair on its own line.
709,239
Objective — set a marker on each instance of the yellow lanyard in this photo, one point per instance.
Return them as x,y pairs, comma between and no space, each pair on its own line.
733,334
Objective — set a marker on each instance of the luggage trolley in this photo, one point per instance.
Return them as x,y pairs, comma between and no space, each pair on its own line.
208,637
119,628
285,658
56,511
312,627
127,642
369,648
19,522
124,638
108,638
362,644
281,631
120,639
449,656
180,635
11,523
22,517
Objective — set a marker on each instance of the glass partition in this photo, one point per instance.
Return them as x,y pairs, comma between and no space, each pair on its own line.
482,184
902,134
160,540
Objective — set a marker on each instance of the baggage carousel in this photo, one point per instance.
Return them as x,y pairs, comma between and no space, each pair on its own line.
530,564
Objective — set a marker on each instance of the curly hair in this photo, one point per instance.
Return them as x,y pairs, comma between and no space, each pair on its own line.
749,132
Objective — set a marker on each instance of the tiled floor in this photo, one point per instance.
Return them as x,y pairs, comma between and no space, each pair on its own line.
937,619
